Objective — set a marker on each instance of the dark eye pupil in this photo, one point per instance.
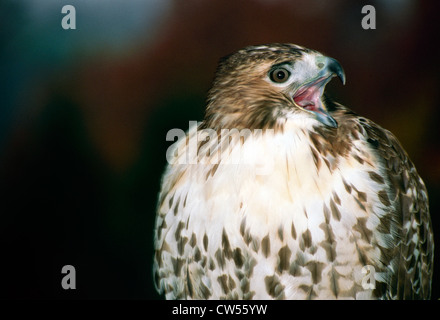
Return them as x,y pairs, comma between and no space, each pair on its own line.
281,75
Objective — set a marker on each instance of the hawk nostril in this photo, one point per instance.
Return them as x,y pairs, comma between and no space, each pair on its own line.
320,65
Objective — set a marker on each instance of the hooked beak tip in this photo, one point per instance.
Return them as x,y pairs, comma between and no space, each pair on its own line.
335,67
341,76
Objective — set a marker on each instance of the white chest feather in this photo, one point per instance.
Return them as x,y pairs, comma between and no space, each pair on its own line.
279,223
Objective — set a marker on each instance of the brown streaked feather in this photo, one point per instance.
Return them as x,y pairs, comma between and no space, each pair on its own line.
411,281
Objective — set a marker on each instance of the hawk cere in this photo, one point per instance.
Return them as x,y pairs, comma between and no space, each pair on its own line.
339,193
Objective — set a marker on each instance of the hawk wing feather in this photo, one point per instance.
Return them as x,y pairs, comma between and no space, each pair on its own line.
414,254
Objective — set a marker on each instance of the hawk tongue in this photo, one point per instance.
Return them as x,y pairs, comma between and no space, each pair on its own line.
310,98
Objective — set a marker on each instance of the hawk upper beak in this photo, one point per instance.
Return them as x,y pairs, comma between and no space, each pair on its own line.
309,96
335,69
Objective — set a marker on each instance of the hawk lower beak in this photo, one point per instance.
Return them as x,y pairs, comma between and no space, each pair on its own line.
309,96
325,118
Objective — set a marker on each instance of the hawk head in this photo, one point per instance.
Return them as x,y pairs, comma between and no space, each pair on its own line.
263,86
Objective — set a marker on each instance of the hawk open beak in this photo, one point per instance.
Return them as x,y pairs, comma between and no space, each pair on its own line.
308,97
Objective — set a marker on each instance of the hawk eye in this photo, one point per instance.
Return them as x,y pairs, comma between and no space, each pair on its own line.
279,75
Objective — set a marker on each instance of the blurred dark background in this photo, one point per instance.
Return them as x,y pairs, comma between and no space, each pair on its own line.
84,114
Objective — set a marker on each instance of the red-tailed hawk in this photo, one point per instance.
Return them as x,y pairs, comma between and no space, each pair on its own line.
282,194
